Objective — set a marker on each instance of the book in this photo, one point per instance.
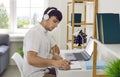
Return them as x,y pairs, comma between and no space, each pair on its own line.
77,18
98,24
108,28
99,65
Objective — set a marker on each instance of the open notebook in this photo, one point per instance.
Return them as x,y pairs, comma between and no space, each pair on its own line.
75,65
82,55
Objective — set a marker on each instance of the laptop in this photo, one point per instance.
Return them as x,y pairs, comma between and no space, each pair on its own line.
84,55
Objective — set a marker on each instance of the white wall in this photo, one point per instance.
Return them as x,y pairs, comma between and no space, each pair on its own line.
106,6
60,32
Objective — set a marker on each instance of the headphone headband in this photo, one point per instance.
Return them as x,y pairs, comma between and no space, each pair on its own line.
50,11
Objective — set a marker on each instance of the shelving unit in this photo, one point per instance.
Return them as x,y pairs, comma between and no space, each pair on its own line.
83,23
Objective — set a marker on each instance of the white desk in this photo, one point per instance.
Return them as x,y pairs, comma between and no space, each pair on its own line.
74,73
109,52
106,52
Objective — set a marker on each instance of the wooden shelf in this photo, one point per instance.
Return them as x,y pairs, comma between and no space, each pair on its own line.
101,76
69,44
82,23
79,1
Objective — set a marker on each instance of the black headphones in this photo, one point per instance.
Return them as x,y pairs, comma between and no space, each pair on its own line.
46,16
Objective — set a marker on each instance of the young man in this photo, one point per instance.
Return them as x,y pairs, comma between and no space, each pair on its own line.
38,45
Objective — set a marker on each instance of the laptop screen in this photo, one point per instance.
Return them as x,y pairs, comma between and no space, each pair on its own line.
90,46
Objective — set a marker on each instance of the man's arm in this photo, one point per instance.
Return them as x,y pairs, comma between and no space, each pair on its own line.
37,61
56,51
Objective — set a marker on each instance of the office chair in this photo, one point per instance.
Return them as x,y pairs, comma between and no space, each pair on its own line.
19,61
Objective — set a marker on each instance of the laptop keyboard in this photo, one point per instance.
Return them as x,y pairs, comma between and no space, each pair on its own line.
81,56
78,56
70,56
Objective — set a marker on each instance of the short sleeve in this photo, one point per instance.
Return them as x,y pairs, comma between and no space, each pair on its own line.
32,42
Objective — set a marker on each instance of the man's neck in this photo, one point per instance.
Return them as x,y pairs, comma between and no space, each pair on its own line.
43,24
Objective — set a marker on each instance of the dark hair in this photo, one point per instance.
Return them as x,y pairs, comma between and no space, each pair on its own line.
54,12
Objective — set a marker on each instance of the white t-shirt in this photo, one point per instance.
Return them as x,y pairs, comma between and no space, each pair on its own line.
37,39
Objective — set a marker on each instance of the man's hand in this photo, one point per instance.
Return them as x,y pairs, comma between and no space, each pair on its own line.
62,64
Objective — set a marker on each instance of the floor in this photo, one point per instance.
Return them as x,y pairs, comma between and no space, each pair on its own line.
12,71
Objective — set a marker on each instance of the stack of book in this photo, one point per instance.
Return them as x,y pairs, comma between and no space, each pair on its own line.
108,28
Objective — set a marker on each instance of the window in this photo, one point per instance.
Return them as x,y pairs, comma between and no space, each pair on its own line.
20,15
4,14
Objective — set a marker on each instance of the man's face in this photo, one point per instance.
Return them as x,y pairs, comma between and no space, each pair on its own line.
52,23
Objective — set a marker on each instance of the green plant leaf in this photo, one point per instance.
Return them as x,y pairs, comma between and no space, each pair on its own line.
20,51
113,68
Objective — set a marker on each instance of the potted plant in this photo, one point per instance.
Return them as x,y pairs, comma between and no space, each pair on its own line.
113,69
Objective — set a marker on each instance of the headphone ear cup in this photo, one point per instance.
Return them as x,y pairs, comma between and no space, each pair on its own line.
46,17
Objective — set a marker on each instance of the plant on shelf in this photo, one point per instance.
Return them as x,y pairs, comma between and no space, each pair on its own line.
113,69
20,51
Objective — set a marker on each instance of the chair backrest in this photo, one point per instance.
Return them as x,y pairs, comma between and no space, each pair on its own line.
19,61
